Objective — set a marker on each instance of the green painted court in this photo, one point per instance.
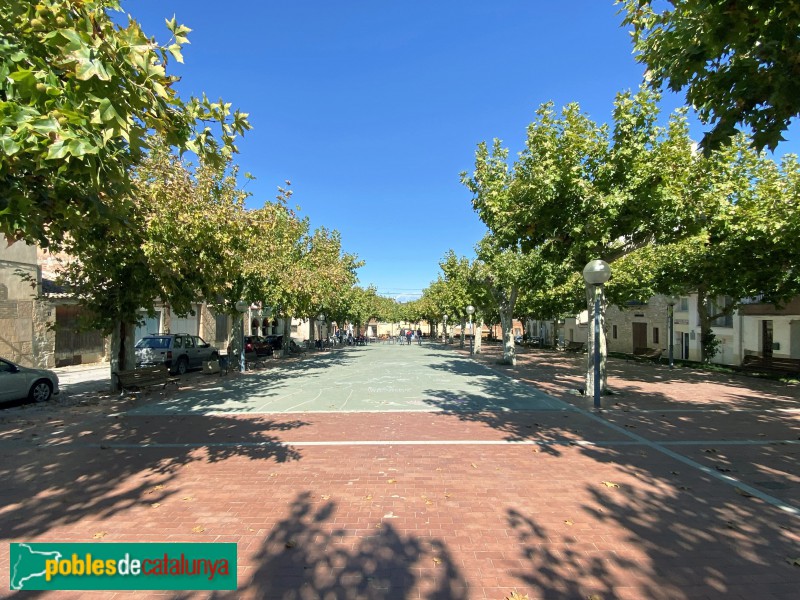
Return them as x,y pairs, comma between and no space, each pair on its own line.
378,377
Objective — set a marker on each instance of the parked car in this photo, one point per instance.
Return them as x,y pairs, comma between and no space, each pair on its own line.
257,344
18,382
178,351
276,343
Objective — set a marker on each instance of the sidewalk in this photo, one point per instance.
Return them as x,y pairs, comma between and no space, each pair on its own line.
454,503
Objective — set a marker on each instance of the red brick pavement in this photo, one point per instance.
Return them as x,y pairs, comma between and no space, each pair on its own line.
436,520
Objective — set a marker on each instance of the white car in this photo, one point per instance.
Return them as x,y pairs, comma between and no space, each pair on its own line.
18,382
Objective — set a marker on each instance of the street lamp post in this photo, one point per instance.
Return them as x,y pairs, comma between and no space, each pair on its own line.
596,273
241,307
470,311
671,302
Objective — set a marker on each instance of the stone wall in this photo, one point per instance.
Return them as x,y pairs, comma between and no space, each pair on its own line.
44,336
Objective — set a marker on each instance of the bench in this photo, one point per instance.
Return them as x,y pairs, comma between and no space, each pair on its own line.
144,377
653,354
771,365
575,347
253,360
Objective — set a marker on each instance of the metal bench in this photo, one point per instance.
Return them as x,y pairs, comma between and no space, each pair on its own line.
771,365
575,347
653,354
145,377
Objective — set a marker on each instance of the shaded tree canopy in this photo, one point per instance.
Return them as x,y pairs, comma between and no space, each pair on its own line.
738,62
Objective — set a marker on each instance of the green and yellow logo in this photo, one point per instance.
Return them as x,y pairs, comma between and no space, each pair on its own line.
43,566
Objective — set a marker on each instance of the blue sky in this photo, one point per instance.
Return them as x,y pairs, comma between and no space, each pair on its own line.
372,108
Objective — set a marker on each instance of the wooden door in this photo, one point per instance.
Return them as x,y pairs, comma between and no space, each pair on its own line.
639,335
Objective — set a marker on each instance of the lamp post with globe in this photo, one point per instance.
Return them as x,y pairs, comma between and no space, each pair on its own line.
470,312
595,274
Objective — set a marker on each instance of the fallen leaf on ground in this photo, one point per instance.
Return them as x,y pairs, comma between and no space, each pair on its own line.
722,469
730,524
744,493
535,450
392,481
291,544
437,560
474,466
368,497
610,484
795,562
198,529
447,494
99,534
155,505
569,522
155,488
710,450
187,498
684,487
515,596
675,472
325,496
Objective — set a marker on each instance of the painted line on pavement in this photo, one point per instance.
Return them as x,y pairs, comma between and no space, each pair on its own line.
727,479
660,447
344,443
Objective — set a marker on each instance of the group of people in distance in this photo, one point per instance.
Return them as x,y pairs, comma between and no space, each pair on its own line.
408,335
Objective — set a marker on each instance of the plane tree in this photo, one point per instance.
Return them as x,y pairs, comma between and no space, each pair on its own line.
580,191
80,96
182,240
738,62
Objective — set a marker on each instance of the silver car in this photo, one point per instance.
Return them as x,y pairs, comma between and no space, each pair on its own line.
179,352
18,382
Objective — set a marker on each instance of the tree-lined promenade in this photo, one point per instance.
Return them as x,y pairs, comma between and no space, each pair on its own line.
104,162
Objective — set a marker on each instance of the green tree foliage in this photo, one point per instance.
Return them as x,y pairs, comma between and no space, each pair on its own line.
79,97
182,240
739,62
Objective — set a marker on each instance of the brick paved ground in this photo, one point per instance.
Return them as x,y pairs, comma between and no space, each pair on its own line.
436,504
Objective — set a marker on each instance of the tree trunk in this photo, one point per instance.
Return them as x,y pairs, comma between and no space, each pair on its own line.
123,357
312,331
287,332
506,321
478,333
590,343
463,331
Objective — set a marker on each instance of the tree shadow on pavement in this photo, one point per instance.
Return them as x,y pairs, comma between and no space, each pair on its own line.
656,539
59,473
308,555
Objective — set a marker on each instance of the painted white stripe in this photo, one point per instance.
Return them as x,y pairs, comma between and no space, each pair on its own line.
344,443
732,481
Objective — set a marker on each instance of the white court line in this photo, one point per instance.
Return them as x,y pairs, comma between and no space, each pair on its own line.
291,408
659,447
345,443
701,410
732,481
345,402
263,406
